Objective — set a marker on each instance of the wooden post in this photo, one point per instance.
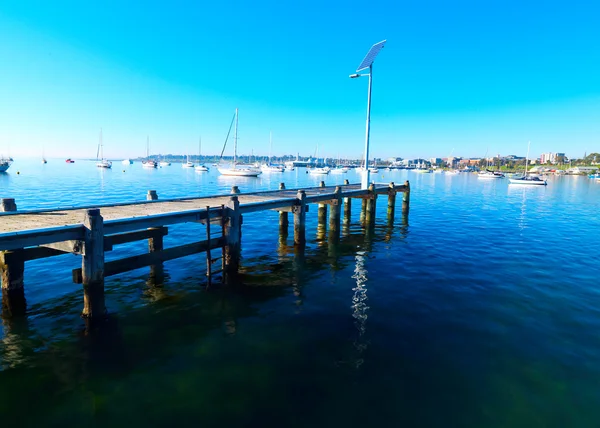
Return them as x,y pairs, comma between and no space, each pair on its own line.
12,265
322,184
371,206
92,267
363,210
235,190
300,219
232,236
322,215
156,244
346,182
391,208
151,195
281,186
334,216
347,212
406,199
8,205
283,223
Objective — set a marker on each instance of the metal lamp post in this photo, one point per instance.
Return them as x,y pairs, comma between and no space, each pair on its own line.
367,62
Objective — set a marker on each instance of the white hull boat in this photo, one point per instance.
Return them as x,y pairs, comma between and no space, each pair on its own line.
201,168
235,170
319,171
528,180
149,164
489,175
271,168
5,163
127,162
102,163
164,163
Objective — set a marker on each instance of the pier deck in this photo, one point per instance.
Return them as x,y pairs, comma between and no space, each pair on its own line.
91,231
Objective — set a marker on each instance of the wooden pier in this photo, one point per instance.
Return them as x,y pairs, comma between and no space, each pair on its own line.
92,231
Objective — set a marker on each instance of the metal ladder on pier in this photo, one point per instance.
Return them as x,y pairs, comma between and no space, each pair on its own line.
210,261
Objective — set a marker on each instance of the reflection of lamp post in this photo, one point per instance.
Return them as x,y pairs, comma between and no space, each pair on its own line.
367,62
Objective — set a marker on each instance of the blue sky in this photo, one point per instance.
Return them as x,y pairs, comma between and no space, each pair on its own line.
463,76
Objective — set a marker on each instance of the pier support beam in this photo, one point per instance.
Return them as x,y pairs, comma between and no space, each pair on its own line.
233,238
300,219
12,266
406,199
391,207
92,267
363,211
155,243
371,204
235,190
347,212
151,195
283,219
334,216
7,205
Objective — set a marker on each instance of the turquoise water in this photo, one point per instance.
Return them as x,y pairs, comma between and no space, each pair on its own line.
480,310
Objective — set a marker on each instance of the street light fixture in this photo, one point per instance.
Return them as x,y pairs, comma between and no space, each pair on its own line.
367,62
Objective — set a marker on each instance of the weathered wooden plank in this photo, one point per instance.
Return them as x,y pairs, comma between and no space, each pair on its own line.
123,238
136,262
156,220
72,246
267,205
35,237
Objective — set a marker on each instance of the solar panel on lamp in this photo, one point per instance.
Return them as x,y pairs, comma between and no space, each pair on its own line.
370,57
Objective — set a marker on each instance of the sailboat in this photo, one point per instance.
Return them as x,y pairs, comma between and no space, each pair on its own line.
103,163
5,163
527,179
200,167
148,163
188,163
318,170
268,167
234,170
488,173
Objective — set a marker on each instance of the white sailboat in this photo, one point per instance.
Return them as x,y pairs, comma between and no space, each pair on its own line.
527,179
188,163
127,161
200,167
5,163
235,170
102,163
268,167
148,163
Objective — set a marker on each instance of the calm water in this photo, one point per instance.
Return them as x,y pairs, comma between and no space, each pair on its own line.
481,311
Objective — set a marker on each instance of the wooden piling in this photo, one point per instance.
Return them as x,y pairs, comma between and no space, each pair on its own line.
92,267
233,225
235,190
12,266
322,215
406,199
347,212
155,243
334,216
300,219
371,206
283,219
151,195
363,210
391,207
346,182
7,205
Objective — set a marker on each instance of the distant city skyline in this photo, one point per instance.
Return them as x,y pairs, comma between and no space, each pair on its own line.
462,78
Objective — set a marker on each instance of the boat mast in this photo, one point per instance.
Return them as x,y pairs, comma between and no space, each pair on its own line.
270,146
527,157
147,147
235,137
